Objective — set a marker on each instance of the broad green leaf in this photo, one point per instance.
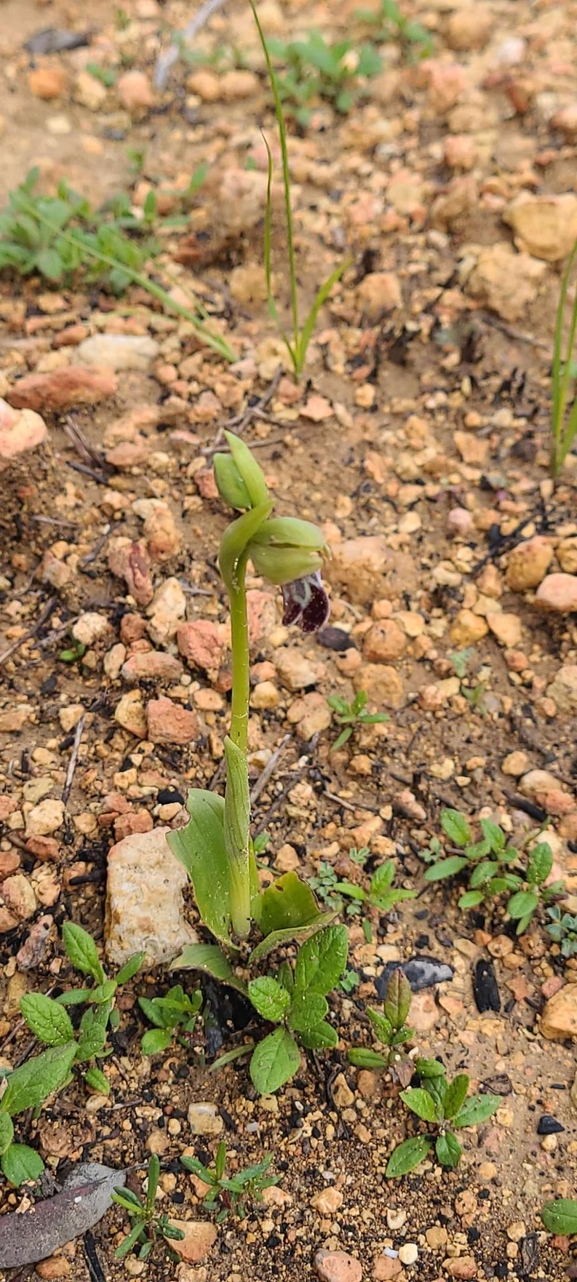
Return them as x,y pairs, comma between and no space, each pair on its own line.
292,935
200,847
49,264
20,1163
35,1080
493,834
47,1019
471,899
130,968
158,1013
429,1068
6,1132
155,1040
456,827
74,997
397,998
319,1038
274,1061
103,992
421,1102
479,1108
436,1088
445,868
96,1080
92,1037
383,878
560,1216
448,1150
540,863
270,999
82,951
210,959
322,960
382,1026
288,903
523,904
483,872
407,1156
307,1010
362,1057
455,1095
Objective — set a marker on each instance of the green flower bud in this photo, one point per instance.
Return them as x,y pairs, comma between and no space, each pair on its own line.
289,532
249,472
283,565
231,486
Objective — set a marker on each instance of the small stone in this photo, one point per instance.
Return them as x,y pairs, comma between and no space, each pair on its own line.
563,688
135,91
559,1018
13,719
238,84
62,389
160,530
505,281
558,594
337,1266
367,570
169,722
468,629
463,1267
317,409
470,27
129,713
387,1268
204,1119
131,562
408,1253
54,1268
566,120
265,696
473,449
460,152
548,1125
384,642
20,430
47,82
119,351
137,821
152,665
311,715
447,83
437,1237
295,671
377,294
528,564
201,645
341,1092
382,684
516,1231
166,610
459,521
515,764
113,660
205,84
19,897
89,92
199,1238
507,629
328,1202
45,818
567,555
90,627
70,716
144,905
544,226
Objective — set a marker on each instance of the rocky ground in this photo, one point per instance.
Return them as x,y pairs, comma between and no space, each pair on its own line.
419,438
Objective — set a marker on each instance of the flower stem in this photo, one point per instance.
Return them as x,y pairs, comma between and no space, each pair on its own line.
240,658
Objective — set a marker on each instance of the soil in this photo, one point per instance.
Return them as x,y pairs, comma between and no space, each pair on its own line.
406,413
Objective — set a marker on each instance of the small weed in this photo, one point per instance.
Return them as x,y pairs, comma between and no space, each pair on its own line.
446,1107
475,695
173,1016
314,69
563,931
560,1217
389,25
337,894
105,75
352,716
148,1226
390,1029
236,1192
493,867
564,399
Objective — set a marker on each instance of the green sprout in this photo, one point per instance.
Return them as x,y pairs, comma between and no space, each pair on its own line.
445,1106
352,716
173,1016
564,400
315,69
148,1225
563,930
391,25
235,1192
390,1029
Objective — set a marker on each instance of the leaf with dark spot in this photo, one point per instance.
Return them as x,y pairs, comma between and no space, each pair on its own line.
30,1236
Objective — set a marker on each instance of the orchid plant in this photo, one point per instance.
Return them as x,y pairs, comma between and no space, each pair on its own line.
216,847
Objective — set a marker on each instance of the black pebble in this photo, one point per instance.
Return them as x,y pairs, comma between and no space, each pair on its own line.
335,639
166,797
421,972
548,1125
485,987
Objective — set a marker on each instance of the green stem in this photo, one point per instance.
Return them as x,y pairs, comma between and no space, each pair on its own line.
217,344
240,657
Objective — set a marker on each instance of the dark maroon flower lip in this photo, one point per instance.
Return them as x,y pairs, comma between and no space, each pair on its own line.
306,603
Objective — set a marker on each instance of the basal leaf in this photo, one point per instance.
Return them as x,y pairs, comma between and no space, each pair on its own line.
407,1156
422,1103
47,1019
479,1108
363,1057
269,998
448,1150
445,868
560,1216
200,847
35,1080
274,1061
322,960
288,903
322,1037
308,1009
455,1095
82,951
456,827
130,968
6,1132
292,935
397,998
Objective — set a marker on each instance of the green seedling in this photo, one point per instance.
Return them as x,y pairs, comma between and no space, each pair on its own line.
474,694
391,1030
235,1192
60,237
28,1087
346,895
391,26
562,929
173,1016
352,716
560,1217
494,868
48,1018
445,1106
105,75
297,343
564,398
148,1225
314,69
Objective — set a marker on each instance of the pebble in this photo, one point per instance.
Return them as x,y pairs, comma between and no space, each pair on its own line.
470,27
62,389
144,904
167,608
515,763
378,294
200,643
384,642
485,986
558,594
544,226
311,715
20,430
548,1125
45,818
337,1266
408,1253
328,1202
383,685
90,627
160,530
342,1093
563,688
463,1268
204,1119
367,569
135,91
421,972
199,1238
129,713
119,351
507,629
468,629
559,1018
295,671
506,282
47,82
152,665
169,722
387,1268
265,696
528,564
19,897
131,562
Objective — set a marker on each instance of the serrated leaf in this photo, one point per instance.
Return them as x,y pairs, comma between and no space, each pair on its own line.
421,1103
307,1010
32,1083
47,1019
479,1108
362,1057
82,951
269,998
456,827
274,1061
6,1132
445,868
407,1156
322,960
92,1037
560,1216
448,1150
397,999
455,1095
20,1163
320,1038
